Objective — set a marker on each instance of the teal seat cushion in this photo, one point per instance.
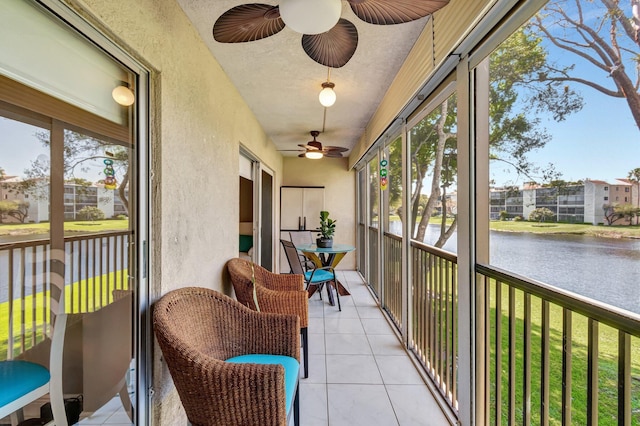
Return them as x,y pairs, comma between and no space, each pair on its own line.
18,378
291,370
246,242
320,276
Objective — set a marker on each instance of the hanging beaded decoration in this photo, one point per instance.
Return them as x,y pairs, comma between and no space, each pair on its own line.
110,178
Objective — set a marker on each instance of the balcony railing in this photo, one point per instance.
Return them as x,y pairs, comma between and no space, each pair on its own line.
543,355
372,278
392,270
546,355
435,314
95,266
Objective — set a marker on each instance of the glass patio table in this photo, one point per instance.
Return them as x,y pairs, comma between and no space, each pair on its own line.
323,257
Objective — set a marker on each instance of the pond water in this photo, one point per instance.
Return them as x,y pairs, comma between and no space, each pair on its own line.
605,269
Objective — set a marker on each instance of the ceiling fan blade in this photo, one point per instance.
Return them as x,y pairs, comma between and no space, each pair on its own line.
336,148
248,22
308,147
333,154
333,48
388,12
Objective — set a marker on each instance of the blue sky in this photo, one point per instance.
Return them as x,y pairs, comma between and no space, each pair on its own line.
602,141
19,147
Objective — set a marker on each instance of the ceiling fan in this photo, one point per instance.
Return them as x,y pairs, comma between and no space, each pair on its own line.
332,46
314,149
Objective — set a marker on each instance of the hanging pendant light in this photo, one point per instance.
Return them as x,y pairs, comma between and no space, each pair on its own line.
310,16
327,96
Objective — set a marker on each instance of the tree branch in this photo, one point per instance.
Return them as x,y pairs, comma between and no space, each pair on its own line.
630,26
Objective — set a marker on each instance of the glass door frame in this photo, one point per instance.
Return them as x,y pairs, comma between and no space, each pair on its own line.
143,182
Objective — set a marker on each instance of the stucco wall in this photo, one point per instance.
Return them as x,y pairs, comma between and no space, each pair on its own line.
339,194
199,120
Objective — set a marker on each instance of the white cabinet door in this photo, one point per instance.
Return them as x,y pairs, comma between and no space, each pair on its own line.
313,204
300,208
291,202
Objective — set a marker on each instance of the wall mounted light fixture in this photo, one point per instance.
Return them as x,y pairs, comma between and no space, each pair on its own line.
123,95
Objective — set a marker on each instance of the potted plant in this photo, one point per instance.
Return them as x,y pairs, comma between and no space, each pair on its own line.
326,230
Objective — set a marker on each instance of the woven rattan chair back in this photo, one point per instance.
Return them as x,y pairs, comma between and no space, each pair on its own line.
197,329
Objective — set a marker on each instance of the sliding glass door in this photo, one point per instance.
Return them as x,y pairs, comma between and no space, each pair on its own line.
72,219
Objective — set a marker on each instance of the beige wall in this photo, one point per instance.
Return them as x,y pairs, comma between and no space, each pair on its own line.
339,194
199,120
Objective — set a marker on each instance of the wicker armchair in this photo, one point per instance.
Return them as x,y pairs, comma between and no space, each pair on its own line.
199,330
276,293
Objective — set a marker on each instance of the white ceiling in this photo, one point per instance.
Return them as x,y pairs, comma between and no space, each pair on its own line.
280,83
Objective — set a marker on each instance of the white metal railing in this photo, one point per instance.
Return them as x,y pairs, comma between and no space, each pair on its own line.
543,355
95,266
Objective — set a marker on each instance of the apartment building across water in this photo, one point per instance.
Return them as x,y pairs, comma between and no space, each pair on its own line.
583,203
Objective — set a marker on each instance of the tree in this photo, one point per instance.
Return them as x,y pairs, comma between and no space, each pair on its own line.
611,214
607,40
79,150
17,209
541,214
20,211
91,213
628,211
513,134
634,177
5,208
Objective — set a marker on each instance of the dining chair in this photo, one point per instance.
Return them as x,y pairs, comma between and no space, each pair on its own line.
23,382
276,293
299,238
230,365
316,277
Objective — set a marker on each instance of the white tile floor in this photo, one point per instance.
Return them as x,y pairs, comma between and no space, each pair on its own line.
359,373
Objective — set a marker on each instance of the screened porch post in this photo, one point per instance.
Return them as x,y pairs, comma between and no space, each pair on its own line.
465,245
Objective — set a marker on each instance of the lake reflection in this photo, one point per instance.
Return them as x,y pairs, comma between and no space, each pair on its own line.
605,269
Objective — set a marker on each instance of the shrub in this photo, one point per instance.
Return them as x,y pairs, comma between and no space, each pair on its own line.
503,215
90,213
518,218
122,217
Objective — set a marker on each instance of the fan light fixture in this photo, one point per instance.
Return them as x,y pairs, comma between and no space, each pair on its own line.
123,96
314,155
310,16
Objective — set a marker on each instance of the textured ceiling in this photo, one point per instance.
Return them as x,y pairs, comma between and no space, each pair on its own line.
280,83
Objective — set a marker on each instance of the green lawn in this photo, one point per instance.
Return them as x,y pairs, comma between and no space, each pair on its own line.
83,296
72,228
607,367
617,231
567,228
